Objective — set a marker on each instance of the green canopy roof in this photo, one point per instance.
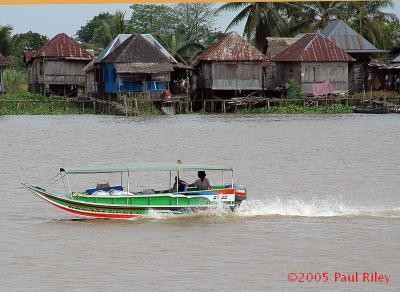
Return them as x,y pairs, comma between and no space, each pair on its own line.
132,167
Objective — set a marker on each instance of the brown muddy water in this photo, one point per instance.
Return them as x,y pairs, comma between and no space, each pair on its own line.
323,197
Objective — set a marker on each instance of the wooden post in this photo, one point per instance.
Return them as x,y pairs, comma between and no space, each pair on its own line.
204,105
83,106
65,106
94,107
224,107
136,106
52,107
16,110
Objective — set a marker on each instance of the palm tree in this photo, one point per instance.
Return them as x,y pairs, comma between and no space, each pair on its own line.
263,19
109,29
367,17
313,16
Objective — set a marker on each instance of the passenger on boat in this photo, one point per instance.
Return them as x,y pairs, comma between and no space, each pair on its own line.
202,183
182,185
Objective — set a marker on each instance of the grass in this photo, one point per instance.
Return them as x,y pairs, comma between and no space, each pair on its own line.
42,105
295,109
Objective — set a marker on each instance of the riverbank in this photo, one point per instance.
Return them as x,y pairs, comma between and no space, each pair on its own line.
34,104
295,109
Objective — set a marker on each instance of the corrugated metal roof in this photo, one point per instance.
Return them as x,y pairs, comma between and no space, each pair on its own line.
231,47
28,54
396,60
278,45
62,46
3,60
119,39
136,49
150,38
313,48
347,38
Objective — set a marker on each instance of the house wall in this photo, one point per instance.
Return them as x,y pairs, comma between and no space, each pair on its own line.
286,71
307,73
230,75
317,72
132,82
57,71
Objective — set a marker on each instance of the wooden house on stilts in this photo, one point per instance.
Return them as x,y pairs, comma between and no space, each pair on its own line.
229,68
346,38
132,66
314,59
57,67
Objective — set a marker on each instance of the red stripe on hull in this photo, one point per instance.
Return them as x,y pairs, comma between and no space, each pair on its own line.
93,214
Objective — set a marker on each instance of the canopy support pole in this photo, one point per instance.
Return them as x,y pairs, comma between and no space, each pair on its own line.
127,182
69,186
121,179
223,184
177,181
232,177
170,180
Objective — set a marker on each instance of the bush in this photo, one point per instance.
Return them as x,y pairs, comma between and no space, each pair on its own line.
294,90
14,80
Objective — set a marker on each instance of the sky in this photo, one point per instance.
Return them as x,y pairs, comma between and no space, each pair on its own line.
53,19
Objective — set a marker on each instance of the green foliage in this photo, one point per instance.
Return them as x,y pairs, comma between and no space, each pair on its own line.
294,90
295,109
288,19
158,20
87,32
25,41
5,39
36,104
14,80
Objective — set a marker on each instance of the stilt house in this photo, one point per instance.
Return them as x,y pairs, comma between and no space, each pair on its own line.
3,62
229,67
57,67
346,38
151,67
314,59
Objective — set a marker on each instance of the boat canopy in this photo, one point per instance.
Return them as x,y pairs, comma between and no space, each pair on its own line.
133,167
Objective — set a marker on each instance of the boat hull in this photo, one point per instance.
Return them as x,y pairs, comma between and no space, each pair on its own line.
138,206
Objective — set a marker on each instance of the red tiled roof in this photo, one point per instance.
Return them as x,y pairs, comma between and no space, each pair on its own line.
231,47
313,48
3,60
62,46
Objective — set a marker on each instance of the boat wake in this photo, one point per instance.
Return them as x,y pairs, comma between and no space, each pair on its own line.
275,206
310,208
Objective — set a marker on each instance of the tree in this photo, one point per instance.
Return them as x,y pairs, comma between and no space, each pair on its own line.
262,19
109,29
5,39
367,17
86,33
158,20
311,16
391,31
21,41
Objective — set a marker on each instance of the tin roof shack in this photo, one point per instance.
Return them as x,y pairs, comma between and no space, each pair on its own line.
57,67
228,67
356,46
3,62
314,59
180,67
134,66
275,45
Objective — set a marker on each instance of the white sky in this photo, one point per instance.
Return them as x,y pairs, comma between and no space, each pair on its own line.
53,19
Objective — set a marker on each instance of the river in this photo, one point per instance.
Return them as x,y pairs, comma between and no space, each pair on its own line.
323,196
